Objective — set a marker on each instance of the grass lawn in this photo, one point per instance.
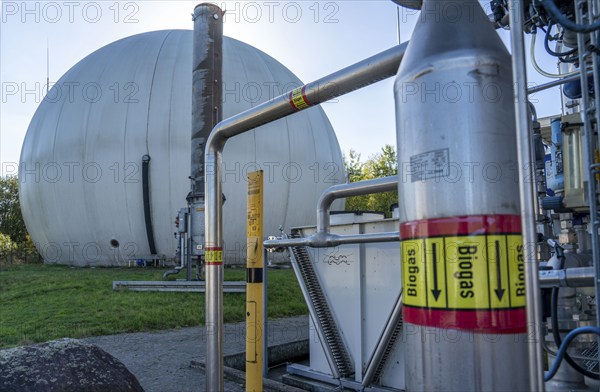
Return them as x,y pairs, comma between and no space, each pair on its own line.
40,303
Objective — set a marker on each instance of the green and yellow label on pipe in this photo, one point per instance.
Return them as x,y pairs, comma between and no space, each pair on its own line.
254,284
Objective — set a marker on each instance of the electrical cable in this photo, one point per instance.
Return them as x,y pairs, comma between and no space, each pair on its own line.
563,348
547,44
561,19
540,70
560,254
558,340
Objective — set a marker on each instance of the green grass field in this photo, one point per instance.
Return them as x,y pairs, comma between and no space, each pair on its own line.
40,303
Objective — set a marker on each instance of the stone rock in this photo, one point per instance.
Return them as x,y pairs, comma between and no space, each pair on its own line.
65,365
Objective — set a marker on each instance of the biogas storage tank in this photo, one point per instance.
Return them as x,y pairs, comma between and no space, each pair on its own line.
81,163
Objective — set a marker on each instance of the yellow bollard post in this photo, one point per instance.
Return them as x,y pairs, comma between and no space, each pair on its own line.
254,284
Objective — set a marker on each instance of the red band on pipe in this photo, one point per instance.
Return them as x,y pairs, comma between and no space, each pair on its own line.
506,321
461,225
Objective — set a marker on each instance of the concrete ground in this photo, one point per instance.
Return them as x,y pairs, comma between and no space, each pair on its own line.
161,360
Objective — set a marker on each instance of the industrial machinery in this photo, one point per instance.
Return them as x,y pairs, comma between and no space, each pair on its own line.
498,217
486,278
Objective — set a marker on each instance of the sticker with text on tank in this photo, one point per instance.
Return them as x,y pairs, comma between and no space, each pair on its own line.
464,272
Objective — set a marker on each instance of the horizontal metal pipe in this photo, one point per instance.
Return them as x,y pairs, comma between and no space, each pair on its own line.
570,277
371,70
325,240
554,83
378,185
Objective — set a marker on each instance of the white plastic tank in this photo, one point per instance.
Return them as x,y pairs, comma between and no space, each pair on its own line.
81,162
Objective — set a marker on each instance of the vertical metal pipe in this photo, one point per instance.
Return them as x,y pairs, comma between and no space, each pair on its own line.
265,320
206,84
182,250
188,247
206,113
527,198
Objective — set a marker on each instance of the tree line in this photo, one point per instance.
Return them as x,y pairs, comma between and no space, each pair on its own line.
381,164
13,233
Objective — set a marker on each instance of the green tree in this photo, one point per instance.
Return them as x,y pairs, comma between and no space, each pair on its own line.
353,166
7,246
11,219
382,164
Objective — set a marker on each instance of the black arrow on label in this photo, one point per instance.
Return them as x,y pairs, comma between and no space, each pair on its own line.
436,291
499,291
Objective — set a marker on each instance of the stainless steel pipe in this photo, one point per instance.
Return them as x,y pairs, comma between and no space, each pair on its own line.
527,199
554,83
323,238
570,277
207,67
327,240
377,185
366,72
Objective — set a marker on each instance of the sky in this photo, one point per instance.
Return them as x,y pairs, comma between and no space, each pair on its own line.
311,38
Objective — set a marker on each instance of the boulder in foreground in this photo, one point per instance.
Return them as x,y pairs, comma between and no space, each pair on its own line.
65,365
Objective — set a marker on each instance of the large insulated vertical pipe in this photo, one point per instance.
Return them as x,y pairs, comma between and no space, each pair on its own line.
460,225
206,113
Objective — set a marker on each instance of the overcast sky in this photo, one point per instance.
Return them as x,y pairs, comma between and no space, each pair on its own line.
312,38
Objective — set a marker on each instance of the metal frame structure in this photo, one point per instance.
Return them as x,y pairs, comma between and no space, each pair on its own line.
366,72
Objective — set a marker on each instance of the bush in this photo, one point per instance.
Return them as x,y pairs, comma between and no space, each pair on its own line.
23,253
27,252
7,246
11,219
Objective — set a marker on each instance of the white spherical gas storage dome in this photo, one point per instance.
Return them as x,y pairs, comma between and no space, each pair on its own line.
81,164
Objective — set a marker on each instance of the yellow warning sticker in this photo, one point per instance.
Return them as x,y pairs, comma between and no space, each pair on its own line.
464,272
298,100
213,256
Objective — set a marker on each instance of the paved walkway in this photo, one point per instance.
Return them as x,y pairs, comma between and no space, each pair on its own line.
161,360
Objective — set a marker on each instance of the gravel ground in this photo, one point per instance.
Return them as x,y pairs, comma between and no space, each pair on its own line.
161,360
